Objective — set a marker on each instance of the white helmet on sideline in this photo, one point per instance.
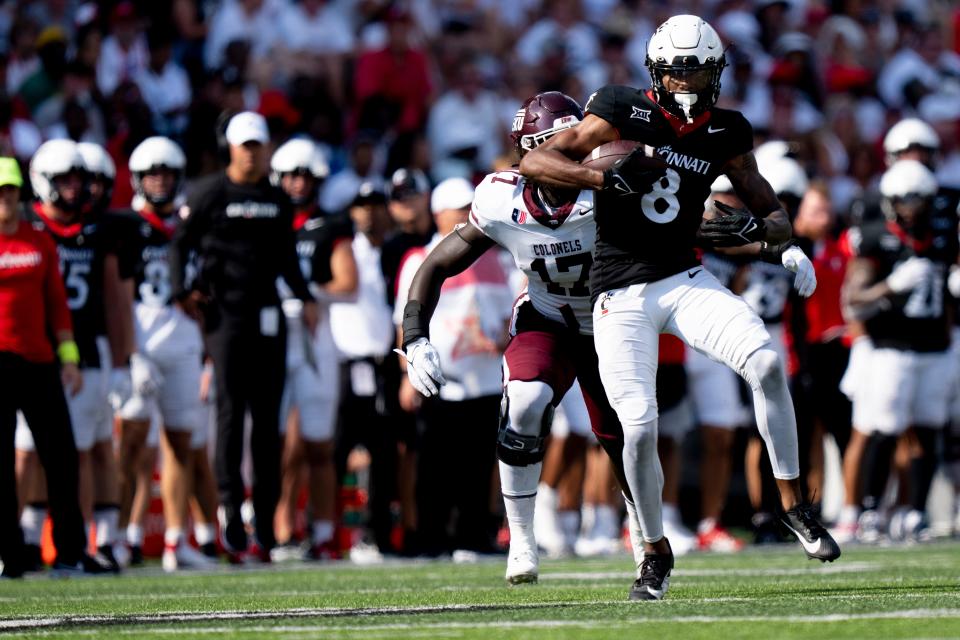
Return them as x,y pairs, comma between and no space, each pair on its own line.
909,132
55,158
101,168
157,152
299,155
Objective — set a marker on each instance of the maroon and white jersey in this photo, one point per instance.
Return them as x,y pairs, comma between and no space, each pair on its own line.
553,247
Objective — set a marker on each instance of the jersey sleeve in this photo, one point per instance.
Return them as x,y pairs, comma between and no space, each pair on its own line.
492,201
741,135
123,240
604,103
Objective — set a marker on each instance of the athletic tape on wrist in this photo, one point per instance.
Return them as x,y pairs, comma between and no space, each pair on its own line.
68,353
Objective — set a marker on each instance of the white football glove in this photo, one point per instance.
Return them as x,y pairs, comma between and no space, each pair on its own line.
144,375
796,261
909,274
120,387
953,281
423,367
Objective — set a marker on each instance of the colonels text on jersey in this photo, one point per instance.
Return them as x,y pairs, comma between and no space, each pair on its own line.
648,237
555,256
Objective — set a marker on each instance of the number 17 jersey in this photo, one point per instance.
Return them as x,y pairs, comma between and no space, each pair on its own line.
554,254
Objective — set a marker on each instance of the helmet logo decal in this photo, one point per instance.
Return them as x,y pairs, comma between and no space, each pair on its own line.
518,120
640,114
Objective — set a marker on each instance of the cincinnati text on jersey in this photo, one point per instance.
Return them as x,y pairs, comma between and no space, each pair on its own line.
151,253
72,254
20,260
683,161
250,209
557,248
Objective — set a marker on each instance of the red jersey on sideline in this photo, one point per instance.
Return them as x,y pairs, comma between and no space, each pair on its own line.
824,316
33,303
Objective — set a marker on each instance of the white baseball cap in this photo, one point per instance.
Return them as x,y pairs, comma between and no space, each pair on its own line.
247,126
452,193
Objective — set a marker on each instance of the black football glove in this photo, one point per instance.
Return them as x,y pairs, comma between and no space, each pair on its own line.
735,228
628,175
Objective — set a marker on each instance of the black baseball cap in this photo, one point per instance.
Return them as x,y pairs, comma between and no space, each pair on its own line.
407,182
368,193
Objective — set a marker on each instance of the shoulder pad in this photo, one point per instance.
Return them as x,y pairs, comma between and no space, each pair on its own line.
493,198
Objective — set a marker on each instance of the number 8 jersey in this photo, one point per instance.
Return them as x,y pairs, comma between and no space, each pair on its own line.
651,236
552,246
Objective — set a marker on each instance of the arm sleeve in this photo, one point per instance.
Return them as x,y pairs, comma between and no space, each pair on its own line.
58,314
186,238
289,262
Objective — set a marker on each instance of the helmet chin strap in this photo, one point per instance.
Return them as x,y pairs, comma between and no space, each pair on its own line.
686,101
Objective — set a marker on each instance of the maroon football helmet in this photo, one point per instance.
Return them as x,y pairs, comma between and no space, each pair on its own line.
542,116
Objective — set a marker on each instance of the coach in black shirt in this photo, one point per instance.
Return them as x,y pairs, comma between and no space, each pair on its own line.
240,228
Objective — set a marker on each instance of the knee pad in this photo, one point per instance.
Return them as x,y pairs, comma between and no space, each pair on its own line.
526,412
763,367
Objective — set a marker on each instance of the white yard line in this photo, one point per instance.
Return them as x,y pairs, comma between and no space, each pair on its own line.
909,614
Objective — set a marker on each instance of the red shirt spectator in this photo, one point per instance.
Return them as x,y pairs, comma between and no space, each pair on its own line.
32,299
399,76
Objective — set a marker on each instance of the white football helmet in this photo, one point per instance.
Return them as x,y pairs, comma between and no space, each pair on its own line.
786,176
101,168
909,132
157,152
771,150
296,155
55,158
908,178
686,46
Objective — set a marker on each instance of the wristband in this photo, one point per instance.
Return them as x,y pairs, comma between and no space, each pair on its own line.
773,253
68,353
413,324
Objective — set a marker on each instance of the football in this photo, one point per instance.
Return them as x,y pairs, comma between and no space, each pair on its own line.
604,156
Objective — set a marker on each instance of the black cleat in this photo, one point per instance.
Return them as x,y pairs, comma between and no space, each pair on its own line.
210,550
654,577
816,542
32,558
136,555
105,557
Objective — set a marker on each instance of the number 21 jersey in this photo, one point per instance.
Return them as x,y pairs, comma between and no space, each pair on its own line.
651,236
555,255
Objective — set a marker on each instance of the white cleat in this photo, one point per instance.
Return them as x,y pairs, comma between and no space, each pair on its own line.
523,566
185,557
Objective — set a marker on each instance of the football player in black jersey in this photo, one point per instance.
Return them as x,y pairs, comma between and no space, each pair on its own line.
326,259
895,285
87,247
646,277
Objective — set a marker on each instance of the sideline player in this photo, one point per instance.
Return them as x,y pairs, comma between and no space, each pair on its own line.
895,284
550,233
646,278
312,387
168,341
87,248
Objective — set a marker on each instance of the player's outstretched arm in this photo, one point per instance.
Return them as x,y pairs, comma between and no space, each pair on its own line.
556,162
451,256
860,297
759,197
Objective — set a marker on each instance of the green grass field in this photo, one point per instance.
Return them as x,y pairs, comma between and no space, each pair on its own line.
911,592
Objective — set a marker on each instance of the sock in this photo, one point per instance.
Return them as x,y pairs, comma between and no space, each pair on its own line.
588,519
204,533
569,525
31,521
134,535
321,532
606,523
547,496
849,514
670,513
636,534
172,537
519,488
106,519
923,467
706,525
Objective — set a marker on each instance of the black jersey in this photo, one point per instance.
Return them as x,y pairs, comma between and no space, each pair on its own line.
316,238
648,237
146,248
915,320
82,247
244,241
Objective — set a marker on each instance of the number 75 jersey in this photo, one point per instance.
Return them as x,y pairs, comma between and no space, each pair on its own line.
552,246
